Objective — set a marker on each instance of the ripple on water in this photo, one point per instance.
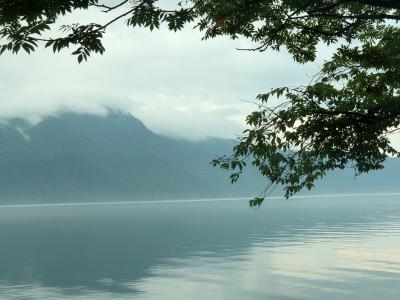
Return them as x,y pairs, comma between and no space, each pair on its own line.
203,252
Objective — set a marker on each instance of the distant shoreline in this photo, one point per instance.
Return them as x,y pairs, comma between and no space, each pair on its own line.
193,200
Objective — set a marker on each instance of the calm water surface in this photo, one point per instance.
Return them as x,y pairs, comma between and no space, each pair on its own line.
316,248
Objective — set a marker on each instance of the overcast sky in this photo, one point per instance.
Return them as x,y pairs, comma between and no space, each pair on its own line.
175,83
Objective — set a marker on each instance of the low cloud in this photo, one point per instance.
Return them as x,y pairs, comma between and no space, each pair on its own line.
175,83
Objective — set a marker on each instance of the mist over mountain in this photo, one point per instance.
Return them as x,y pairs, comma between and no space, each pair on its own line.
80,157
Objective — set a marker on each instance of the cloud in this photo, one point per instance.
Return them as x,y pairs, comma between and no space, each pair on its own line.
175,83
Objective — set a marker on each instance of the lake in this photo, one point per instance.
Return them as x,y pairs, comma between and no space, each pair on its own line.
325,247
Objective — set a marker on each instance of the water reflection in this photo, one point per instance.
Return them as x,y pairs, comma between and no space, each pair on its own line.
308,249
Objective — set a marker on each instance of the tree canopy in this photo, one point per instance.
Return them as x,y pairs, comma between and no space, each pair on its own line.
342,118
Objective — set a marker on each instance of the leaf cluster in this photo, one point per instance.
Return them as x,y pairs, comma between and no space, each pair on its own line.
297,25
342,120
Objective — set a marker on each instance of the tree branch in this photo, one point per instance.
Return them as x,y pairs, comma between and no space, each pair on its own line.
110,8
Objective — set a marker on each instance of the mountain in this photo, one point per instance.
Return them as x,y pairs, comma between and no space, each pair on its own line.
379,181
80,157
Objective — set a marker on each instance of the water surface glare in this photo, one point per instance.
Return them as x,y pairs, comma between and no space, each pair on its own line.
322,247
